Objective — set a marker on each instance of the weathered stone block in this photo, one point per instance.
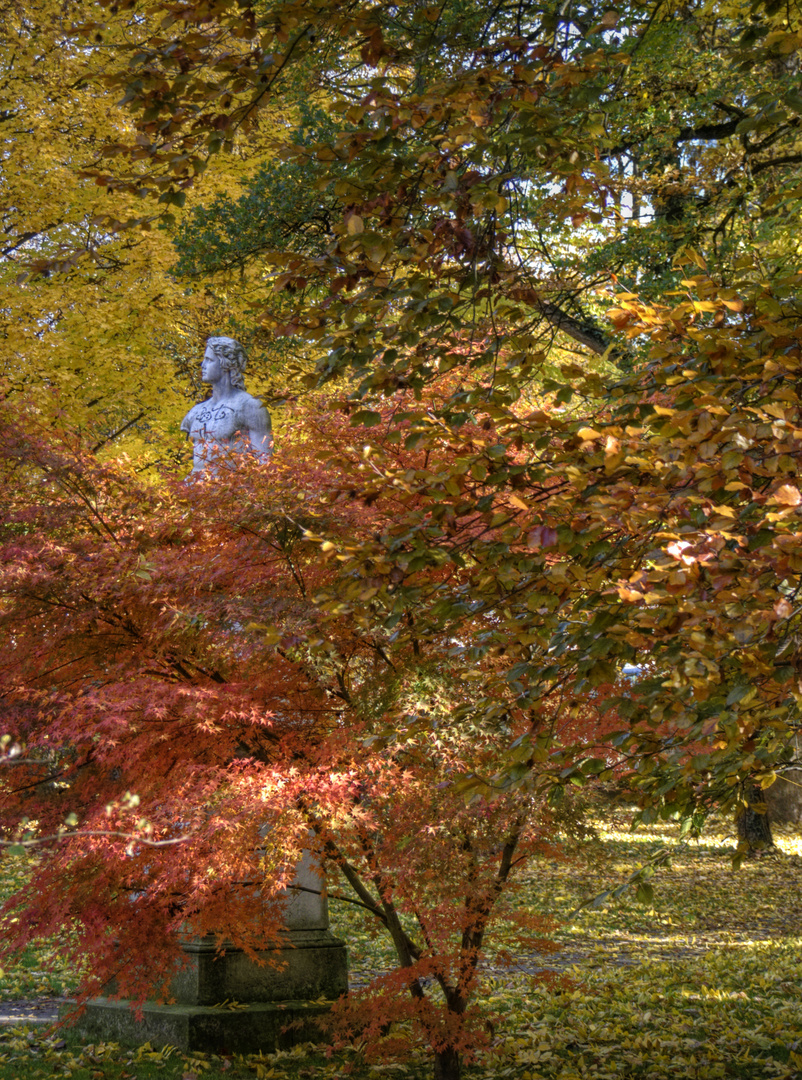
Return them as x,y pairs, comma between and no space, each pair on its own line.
260,1027
312,964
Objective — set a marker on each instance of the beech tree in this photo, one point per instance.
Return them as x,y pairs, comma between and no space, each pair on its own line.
471,149
95,324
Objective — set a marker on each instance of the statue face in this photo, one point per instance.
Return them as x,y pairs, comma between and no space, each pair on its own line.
211,370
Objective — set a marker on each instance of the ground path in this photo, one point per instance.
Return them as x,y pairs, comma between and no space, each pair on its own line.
588,951
43,1010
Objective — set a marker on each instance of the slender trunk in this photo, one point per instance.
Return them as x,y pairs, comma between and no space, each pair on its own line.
447,1064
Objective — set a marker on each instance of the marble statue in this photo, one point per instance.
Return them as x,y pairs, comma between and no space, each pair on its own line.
231,420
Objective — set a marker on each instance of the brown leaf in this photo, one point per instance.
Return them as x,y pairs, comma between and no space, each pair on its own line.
541,537
787,495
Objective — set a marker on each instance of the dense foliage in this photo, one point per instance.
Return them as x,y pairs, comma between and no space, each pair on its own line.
184,667
535,269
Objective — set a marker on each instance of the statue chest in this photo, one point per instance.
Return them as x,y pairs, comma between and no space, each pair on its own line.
214,421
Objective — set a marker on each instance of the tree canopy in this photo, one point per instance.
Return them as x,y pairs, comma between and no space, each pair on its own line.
525,280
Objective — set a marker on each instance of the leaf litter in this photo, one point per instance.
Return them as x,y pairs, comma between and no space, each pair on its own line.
702,983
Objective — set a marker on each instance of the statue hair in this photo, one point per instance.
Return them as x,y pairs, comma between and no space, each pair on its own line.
232,358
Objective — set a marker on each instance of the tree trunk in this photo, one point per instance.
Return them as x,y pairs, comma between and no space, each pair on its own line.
447,1064
752,821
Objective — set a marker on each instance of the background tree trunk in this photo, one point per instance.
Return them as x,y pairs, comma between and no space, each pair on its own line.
752,821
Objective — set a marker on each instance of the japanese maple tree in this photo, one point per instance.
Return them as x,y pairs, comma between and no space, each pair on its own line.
184,666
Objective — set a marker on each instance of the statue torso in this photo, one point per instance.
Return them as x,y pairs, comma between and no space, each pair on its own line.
224,426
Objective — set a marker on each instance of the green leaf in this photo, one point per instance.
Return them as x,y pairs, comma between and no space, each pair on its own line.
366,418
737,694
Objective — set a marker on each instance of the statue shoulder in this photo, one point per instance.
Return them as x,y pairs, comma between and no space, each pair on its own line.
250,407
186,423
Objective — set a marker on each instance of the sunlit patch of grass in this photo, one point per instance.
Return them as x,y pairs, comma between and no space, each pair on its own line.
702,983
723,1014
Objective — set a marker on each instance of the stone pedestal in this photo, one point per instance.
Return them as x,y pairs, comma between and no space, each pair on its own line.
227,1003
310,965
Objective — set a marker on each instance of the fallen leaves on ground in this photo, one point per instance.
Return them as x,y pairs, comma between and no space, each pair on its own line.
40,971
703,983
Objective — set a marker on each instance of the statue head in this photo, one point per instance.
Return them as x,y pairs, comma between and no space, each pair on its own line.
231,357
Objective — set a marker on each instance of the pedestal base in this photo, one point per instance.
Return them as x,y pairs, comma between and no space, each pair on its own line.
259,1027
288,989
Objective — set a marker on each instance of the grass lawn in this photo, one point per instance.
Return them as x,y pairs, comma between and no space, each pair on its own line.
704,983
